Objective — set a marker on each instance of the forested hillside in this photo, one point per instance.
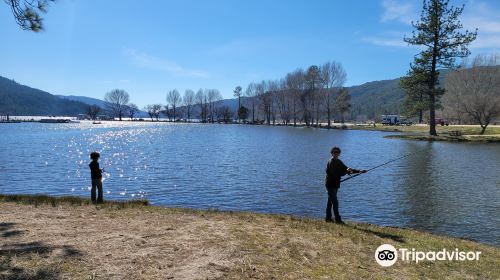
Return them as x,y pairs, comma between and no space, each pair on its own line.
17,99
375,98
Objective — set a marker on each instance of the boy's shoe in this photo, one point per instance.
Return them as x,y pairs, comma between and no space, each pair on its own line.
329,220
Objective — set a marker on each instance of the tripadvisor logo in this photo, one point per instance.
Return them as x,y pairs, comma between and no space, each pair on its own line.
386,255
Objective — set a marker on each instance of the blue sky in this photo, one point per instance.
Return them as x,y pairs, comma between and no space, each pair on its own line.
149,47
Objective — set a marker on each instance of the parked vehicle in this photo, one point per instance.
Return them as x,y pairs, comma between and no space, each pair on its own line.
390,119
442,122
395,120
405,122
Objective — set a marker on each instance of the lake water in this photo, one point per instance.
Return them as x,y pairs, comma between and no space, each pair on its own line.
445,188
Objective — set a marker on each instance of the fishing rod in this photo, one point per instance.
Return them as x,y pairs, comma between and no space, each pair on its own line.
393,160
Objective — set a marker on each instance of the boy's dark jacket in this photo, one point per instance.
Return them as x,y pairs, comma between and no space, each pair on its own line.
335,169
95,172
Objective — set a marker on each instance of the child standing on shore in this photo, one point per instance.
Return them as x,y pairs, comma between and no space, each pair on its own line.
96,175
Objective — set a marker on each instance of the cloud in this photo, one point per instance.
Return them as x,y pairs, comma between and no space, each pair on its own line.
487,42
480,15
402,11
145,60
477,14
484,25
386,42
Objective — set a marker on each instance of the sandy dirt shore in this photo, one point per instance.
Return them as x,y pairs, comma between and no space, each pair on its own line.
146,242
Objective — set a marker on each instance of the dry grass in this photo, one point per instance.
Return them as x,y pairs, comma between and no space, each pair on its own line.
40,199
464,129
146,242
470,133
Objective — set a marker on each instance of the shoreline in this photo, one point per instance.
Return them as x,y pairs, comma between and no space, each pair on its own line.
67,237
418,132
447,138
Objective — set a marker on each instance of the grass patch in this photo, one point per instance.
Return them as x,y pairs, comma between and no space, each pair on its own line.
468,133
464,129
80,241
41,199
466,138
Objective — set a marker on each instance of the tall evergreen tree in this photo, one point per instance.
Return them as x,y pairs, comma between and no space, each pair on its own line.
343,103
237,93
313,80
415,86
438,32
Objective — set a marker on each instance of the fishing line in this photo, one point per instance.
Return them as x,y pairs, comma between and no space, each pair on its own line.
393,160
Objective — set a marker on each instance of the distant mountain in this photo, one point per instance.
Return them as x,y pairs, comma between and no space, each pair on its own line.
98,102
375,98
369,100
17,99
84,99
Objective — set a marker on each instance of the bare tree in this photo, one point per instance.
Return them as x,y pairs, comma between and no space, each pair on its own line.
282,101
188,101
295,85
313,80
213,96
132,109
267,98
153,110
200,97
116,102
225,113
93,111
157,111
251,93
260,98
477,86
174,98
333,77
167,111
27,13
452,100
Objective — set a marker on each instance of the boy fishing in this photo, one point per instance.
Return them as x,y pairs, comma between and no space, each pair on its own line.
96,175
335,169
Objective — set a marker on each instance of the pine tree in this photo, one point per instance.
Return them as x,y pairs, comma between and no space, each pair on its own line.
438,31
27,13
415,86
343,103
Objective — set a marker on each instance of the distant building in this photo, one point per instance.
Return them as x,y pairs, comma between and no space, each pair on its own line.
83,117
104,118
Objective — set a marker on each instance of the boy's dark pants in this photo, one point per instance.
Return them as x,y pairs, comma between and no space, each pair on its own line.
332,201
96,183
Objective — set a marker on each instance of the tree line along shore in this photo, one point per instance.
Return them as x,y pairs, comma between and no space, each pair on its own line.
451,133
47,237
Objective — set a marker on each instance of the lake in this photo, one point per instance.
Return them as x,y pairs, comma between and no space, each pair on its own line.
444,188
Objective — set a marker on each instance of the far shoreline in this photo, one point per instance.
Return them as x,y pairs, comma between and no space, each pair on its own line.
417,132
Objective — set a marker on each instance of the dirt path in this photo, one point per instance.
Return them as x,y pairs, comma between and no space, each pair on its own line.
116,244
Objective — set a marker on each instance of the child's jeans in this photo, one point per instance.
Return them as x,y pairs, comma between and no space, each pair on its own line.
96,183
